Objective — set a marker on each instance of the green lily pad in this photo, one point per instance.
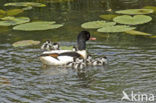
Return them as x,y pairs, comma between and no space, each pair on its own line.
135,11
25,43
135,20
97,24
33,4
118,28
56,1
2,12
134,32
153,36
66,47
150,7
13,12
9,21
41,25
108,17
27,8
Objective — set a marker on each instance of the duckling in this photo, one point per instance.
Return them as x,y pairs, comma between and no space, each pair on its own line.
56,46
99,61
80,67
47,46
89,60
75,48
79,60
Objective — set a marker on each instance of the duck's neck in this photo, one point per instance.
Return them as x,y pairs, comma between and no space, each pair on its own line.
81,44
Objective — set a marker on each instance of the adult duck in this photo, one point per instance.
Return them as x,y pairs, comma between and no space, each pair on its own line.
62,57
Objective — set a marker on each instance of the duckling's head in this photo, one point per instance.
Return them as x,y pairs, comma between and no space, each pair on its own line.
56,46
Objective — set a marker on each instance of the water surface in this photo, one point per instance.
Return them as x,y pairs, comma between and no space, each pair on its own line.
132,59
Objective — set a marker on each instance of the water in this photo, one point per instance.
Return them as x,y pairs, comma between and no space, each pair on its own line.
132,59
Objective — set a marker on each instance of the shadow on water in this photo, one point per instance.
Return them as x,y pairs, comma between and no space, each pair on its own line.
132,59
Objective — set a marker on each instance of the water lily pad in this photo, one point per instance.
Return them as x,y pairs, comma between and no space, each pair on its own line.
135,20
153,36
13,12
97,24
27,8
108,17
135,11
56,1
150,7
66,47
25,43
2,12
41,25
34,4
118,28
13,21
134,32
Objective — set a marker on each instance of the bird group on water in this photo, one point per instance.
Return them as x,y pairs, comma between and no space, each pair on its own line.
76,58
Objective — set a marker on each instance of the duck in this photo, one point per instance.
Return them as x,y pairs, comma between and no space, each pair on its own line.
48,46
62,57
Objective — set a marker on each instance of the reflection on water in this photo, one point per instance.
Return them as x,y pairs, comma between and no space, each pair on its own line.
132,59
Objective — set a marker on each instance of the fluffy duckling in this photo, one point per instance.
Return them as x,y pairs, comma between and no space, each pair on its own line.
75,48
47,46
99,61
89,60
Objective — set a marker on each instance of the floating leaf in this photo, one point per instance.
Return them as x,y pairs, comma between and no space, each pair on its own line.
135,20
97,24
118,28
13,21
41,25
150,7
13,12
135,11
66,47
108,17
34,4
134,32
27,8
153,36
2,12
25,43
56,1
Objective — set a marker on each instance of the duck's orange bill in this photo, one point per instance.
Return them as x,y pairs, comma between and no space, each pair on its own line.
92,38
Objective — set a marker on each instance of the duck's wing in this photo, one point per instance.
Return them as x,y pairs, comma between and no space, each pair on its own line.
56,55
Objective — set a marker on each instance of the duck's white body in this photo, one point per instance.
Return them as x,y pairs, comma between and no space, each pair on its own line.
61,59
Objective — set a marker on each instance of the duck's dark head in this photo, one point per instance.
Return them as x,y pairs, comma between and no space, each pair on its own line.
82,38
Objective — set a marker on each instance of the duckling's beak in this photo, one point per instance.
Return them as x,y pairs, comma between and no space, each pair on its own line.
92,38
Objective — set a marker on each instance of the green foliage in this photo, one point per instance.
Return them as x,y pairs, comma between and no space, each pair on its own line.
135,11
33,4
11,12
134,32
41,25
118,28
97,24
150,7
135,20
108,16
9,21
25,43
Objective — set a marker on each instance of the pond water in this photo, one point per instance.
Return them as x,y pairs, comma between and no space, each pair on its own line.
132,59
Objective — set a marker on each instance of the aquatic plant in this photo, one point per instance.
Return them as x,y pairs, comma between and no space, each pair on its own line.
108,16
40,25
11,12
9,21
25,43
132,20
118,28
33,4
97,24
134,32
135,11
